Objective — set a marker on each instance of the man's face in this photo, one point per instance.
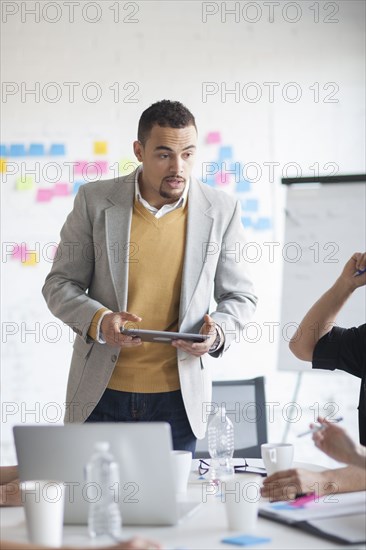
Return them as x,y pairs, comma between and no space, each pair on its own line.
167,158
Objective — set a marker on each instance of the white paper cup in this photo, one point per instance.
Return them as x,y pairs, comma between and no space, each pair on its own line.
182,464
277,456
44,511
241,495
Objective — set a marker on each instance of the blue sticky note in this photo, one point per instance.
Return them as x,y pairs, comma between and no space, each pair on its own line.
246,221
262,224
17,150
36,150
3,151
250,205
282,506
243,186
57,149
77,185
225,153
245,540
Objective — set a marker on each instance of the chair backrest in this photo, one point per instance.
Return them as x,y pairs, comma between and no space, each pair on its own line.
245,406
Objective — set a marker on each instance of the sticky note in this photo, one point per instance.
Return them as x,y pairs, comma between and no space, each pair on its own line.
36,150
31,258
2,165
57,149
100,148
282,506
262,224
44,195
61,189
79,166
243,186
102,165
3,151
222,178
126,166
213,137
250,205
245,540
225,153
17,150
20,251
246,221
24,183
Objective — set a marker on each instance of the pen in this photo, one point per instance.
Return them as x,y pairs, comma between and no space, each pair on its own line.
318,428
359,272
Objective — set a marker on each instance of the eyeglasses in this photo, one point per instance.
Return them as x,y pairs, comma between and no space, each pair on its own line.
203,468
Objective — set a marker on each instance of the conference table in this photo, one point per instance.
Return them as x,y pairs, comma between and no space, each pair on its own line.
205,528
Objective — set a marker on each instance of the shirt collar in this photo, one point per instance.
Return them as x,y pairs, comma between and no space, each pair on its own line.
181,202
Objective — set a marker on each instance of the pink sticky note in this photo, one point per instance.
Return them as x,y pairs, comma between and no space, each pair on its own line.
61,190
222,178
20,251
44,195
79,166
92,167
103,166
213,137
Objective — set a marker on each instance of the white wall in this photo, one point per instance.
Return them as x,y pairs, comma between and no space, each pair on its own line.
170,52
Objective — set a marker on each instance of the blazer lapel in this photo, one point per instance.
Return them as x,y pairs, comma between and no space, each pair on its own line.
199,227
118,226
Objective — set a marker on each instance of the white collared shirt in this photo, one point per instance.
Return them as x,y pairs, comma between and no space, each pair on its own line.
166,208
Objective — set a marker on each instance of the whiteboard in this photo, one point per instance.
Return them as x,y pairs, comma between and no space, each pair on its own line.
325,225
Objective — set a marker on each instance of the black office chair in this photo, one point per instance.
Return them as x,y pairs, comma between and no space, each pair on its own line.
245,406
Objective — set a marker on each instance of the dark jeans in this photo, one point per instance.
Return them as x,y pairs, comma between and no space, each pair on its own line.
119,406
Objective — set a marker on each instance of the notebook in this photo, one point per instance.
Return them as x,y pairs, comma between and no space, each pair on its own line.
143,451
340,517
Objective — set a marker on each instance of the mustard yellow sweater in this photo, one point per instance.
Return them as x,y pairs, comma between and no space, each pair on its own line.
154,285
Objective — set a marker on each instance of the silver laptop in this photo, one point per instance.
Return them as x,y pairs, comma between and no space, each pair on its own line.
143,451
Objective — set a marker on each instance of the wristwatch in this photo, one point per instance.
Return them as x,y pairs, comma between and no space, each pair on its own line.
216,343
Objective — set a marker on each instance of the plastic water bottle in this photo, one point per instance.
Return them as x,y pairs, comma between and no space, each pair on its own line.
221,445
102,472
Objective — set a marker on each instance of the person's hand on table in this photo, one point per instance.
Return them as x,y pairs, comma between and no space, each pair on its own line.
111,325
286,485
197,348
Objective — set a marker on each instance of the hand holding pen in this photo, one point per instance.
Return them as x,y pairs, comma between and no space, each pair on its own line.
335,442
314,429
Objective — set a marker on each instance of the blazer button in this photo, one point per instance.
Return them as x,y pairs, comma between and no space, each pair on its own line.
114,358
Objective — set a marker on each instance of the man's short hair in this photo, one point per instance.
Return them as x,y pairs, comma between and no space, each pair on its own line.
165,113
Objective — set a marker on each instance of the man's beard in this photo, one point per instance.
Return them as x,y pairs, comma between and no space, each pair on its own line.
171,193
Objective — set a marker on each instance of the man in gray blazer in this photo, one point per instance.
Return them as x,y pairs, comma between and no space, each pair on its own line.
163,242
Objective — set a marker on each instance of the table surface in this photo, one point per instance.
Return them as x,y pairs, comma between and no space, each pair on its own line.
204,529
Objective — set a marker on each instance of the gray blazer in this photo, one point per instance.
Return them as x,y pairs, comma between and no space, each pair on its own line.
90,271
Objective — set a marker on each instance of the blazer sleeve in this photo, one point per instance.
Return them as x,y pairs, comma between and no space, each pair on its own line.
65,288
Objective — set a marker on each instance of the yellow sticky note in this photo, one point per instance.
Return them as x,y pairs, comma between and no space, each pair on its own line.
2,165
24,183
127,165
31,258
100,148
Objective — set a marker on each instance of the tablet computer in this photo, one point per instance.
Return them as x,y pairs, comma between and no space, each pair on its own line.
163,337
